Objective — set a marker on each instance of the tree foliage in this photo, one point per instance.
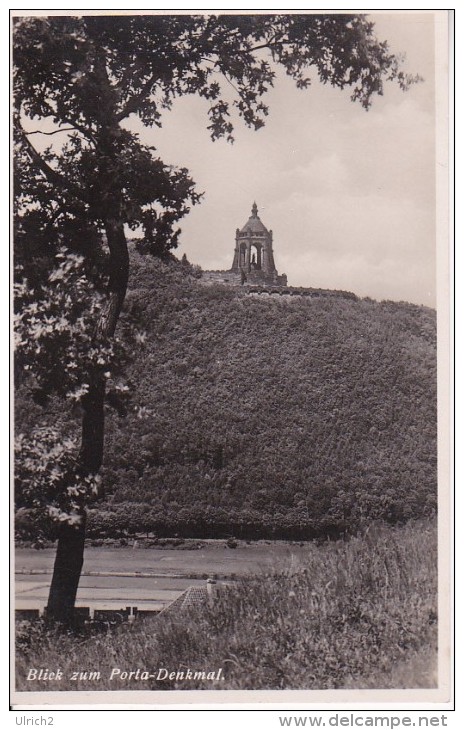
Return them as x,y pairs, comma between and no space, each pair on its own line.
55,341
47,476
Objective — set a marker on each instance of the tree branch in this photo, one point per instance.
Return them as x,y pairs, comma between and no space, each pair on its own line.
229,81
57,131
133,102
270,44
85,132
54,177
66,120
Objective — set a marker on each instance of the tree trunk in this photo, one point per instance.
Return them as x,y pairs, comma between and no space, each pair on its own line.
70,550
66,573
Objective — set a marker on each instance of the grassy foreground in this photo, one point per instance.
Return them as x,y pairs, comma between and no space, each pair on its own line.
357,614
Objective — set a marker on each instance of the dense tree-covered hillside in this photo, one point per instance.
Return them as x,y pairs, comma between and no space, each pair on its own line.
269,416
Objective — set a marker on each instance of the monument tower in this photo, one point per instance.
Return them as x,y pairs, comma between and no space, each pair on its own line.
253,254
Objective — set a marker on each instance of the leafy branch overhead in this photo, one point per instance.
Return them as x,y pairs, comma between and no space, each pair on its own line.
148,61
85,76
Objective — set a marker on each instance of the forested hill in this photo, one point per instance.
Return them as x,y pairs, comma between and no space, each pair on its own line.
263,415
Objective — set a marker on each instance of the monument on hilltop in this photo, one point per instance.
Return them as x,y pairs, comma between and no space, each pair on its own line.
253,257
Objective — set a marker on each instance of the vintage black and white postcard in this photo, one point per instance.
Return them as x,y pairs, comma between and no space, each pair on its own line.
231,370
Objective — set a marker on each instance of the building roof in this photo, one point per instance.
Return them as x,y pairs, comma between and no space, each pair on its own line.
254,223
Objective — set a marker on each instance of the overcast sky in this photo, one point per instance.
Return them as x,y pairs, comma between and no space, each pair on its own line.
349,194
